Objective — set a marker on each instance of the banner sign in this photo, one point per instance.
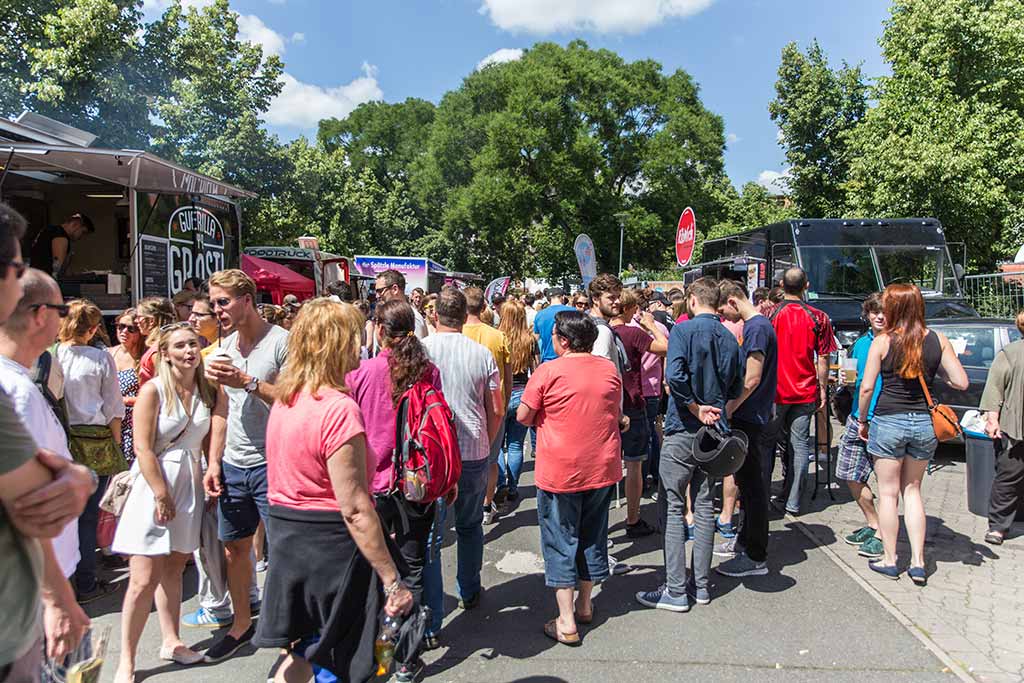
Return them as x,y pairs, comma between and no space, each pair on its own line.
686,236
496,287
584,248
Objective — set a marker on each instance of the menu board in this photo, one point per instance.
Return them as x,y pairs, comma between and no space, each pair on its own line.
154,266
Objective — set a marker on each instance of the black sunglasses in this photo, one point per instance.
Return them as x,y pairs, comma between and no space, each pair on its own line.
19,267
131,329
62,309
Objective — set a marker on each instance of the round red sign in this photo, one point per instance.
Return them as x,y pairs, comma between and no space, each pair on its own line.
686,236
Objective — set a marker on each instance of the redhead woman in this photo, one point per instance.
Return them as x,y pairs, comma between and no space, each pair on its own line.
900,436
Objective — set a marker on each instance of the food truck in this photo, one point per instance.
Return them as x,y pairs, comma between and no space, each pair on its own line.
157,224
323,268
419,271
845,260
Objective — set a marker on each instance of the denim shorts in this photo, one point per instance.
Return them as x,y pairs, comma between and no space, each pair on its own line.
636,441
853,463
243,501
574,535
906,434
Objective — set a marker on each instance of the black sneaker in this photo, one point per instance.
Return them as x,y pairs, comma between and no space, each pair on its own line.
500,496
411,672
227,646
431,643
640,529
101,590
471,603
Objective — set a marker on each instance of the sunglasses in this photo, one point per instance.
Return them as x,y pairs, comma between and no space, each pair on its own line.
200,315
19,267
581,304
130,329
62,309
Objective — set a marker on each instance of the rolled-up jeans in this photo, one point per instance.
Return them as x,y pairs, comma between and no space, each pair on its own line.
794,420
677,469
469,530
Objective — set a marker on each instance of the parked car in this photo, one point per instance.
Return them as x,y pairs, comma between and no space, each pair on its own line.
976,341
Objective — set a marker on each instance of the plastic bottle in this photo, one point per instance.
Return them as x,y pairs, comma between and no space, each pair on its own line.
384,646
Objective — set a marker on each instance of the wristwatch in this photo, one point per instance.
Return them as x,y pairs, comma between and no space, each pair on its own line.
252,385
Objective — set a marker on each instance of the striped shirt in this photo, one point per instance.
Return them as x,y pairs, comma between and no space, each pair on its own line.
468,374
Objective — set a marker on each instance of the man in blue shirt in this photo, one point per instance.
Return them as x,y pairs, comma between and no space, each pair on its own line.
750,414
854,464
704,372
543,323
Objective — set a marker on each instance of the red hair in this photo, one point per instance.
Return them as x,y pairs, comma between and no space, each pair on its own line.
903,307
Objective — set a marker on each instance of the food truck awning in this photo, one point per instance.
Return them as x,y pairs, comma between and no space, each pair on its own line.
133,169
277,279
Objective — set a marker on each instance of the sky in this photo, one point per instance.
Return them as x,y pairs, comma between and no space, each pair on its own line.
339,53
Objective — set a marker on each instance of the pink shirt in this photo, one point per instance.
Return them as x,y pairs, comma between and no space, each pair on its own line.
371,388
736,328
300,439
652,367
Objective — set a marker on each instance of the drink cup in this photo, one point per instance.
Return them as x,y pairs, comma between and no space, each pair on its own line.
850,371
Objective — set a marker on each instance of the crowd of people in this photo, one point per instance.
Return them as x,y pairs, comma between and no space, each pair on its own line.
245,437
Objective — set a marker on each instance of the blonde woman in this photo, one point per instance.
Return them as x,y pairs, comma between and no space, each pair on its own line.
177,416
523,359
322,597
95,410
151,314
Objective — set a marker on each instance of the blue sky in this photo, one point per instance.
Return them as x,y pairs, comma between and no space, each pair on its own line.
340,53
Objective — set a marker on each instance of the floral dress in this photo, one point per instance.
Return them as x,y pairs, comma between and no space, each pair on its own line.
129,382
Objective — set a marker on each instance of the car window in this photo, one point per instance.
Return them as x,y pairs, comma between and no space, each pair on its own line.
974,346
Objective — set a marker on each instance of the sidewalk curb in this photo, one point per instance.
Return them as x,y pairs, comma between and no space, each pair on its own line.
932,646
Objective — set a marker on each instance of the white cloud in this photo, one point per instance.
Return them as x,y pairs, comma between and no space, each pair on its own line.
732,138
251,29
602,16
302,105
773,181
505,54
297,37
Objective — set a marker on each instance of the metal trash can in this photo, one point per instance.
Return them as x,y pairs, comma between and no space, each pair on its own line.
981,471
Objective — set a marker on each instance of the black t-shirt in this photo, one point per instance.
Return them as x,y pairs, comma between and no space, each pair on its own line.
41,250
900,395
665,318
759,336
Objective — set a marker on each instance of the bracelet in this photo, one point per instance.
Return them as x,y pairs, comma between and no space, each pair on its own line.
393,588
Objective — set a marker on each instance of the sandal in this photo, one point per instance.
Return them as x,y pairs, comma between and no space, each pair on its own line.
994,538
570,639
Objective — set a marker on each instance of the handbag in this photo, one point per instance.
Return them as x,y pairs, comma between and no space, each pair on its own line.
120,486
94,447
944,422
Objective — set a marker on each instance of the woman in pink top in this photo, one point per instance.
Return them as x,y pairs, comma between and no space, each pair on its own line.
377,386
324,589
574,402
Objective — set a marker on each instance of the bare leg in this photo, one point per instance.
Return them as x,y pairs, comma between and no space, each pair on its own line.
168,599
913,507
888,472
730,492
144,576
583,602
492,484
861,493
689,507
259,541
294,669
566,618
634,489
239,554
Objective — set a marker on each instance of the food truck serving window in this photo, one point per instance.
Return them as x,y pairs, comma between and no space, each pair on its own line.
181,236
840,270
862,269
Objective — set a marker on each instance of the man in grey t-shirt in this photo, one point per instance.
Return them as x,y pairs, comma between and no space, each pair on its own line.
246,365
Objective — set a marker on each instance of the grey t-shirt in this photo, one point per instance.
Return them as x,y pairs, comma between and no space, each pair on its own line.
246,444
21,559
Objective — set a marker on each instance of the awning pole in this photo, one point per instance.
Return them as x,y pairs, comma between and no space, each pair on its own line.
7,166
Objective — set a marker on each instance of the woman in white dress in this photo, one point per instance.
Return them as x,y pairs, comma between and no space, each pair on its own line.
178,416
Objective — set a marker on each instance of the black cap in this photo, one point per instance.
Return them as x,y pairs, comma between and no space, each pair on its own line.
659,297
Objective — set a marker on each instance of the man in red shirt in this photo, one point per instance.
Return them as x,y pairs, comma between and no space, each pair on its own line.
805,340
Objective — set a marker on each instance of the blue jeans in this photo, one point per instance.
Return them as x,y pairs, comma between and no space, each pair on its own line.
469,530
794,420
574,535
510,460
906,434
85,572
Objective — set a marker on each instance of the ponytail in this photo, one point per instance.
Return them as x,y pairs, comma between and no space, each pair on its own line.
407,359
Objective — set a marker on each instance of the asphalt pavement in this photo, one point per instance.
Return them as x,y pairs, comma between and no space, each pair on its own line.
806,620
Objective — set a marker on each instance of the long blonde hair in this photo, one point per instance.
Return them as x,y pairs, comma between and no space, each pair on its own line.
323,347
207,392
521,343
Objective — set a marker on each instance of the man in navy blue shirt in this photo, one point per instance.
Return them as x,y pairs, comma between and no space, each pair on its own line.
704,372
543,323
750,413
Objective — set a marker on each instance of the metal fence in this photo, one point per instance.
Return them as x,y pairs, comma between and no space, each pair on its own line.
996,295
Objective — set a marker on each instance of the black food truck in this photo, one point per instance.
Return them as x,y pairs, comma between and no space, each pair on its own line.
845,260
157,224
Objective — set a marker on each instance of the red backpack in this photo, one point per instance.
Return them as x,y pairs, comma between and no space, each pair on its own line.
427,459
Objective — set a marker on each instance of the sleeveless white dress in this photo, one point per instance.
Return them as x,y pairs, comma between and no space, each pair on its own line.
138,532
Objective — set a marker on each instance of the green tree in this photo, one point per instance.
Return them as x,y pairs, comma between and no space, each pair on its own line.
815,108
525,155
946,138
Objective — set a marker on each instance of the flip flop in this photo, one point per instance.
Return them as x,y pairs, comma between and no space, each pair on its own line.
570,639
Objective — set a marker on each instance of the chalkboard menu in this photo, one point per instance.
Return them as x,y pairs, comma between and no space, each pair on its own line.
154,267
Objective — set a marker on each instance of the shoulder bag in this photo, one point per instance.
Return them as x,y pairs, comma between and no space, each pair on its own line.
944,421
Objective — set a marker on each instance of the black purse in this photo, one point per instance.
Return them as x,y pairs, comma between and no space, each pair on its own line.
842,403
